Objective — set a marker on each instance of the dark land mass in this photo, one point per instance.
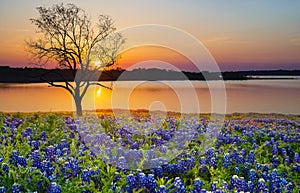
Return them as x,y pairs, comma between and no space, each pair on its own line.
37,75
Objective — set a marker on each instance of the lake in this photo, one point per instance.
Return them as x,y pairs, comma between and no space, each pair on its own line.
262,96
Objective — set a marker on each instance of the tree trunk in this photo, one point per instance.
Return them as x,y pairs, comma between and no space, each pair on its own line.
77,99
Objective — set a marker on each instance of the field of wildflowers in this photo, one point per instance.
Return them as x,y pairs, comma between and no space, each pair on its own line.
58,153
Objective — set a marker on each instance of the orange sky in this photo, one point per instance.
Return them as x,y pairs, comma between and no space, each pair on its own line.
240,35
154,54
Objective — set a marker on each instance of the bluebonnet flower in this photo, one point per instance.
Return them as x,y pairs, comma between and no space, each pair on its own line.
5,168
67,170
46,168
14,158
92,171
287,160
252,175
237,170
290,187
275,149
275,161
54,188
3,189
255,146
179,186
210,152
243,152
296,158
213,186
234,182
27,132
283,152
35,144
234,154
203,160
65,151
120,152
158,171
162,189
240,159
251,157
70,168
16,188
261,185
43,136
86,176
141,179
1,158
265,168
132,181
275,180
296,168
50,152
63,144
204,169
197,185
251,186
22,161
117,177
151,183
122,163
225,186
226,162
242,185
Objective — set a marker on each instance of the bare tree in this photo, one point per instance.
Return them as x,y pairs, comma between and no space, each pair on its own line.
70,40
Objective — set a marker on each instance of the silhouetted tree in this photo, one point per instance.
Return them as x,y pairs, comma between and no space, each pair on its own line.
70,40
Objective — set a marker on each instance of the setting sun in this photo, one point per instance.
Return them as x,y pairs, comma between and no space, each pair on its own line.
97,63
98,92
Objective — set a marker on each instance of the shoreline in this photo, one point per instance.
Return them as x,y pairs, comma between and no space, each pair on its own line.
145,111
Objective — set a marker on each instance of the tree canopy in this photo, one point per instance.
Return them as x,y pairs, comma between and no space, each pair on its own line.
68,38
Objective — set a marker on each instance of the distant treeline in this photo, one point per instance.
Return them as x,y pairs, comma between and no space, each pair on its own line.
34,75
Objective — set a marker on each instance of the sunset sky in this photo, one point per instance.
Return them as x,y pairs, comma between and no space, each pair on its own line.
240,35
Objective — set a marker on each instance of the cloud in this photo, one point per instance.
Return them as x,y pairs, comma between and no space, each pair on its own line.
295,41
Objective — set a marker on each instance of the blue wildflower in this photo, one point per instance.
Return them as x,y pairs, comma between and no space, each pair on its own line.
122,163
43,136
54,188
234,182
252,175
86,176
296,158
5,168
261,185
132,181
213,186
226,162
251,157
151,183
178,184
287,160
197,185
22,161
3,189
16,188
14,158
162,189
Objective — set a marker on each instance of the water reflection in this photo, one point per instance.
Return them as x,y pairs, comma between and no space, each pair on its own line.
276,96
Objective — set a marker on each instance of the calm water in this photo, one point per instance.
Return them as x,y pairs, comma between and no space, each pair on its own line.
265,96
